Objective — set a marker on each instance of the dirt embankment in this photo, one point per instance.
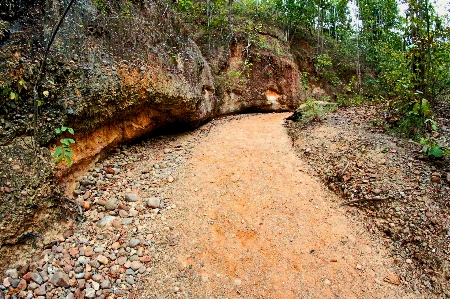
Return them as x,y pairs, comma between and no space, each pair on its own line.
399,194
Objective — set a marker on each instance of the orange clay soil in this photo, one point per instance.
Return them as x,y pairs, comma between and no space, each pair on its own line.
252,223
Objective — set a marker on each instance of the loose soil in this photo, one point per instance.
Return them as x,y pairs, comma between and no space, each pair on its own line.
252,223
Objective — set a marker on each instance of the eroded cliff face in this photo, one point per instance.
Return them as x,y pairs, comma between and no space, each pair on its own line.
116,73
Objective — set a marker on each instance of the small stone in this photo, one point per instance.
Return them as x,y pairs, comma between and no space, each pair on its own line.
122,260
127,221
106,284
130,197
448,177
115,245
145,259
85,205
140,251
153,202
88,251
12,273
86,183
101,202
133,213
435,178
327,282
376,191
6,283
111,204
237,282
170,179
135,265
90,293
36,277
123,213
95,285
358,266
117,223
60,279
392,278
105,221
97,277
429,214
134,258
134,242
110,170
74,251
40,291
32,286
14,282
408,261
129,272
102,259
99,249
22,285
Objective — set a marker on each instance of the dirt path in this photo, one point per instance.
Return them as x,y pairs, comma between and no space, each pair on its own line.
225,211
252,224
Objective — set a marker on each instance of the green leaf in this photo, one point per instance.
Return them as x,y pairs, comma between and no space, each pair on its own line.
39,103
6,91
68,161
58,131
70,130
67,141
13,95
63,128
58,151
435,151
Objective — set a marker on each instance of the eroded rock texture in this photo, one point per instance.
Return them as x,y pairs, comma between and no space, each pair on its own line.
116,71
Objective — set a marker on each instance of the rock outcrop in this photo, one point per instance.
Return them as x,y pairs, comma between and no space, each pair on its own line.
117,72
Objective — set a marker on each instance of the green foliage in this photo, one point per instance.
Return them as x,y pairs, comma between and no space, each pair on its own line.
234,79
350,100
313,110
184,5
63,151
12,91
126,9
418,120
433,148
323,61
102,6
